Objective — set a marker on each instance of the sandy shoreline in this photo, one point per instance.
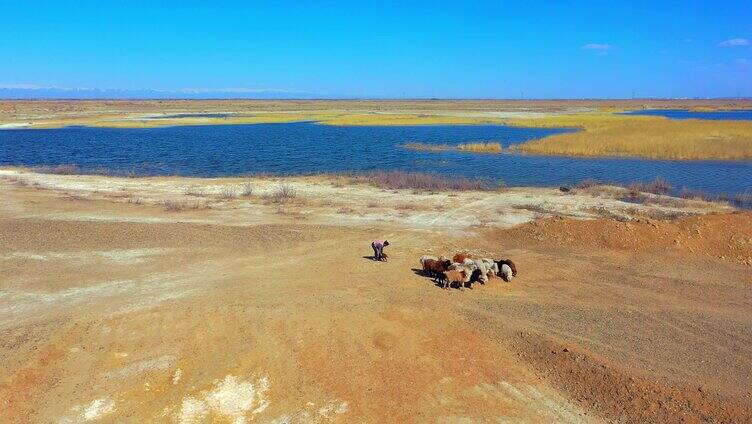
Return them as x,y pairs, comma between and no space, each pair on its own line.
336,199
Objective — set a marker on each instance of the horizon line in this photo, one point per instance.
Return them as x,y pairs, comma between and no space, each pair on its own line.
367,98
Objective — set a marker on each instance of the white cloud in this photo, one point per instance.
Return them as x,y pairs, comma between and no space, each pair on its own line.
735,42
597,46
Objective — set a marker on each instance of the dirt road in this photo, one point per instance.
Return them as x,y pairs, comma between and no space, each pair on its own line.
113,310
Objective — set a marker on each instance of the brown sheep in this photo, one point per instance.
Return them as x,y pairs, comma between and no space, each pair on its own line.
460,257
455,276
435,267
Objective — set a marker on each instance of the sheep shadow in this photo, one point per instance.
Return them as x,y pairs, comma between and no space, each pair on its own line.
434,279
421,272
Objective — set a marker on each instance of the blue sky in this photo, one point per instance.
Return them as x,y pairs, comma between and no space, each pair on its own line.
462,49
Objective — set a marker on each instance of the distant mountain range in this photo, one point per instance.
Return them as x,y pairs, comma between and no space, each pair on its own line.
33,92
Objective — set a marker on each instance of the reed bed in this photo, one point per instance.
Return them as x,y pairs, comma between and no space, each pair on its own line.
480,147
428,147
649,137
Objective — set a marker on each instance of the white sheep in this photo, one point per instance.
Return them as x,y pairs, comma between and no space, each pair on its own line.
491,266
467,264
481,266
495,268
506,272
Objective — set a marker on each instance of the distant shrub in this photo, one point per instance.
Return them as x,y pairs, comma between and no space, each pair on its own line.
283,193
633,195
77,170
397,180
18,181
532,208
687,193
105,172
659,186
227,193
195,191
174,206
588,183
666,201
74,196
406,206
58,169
742,200
247,189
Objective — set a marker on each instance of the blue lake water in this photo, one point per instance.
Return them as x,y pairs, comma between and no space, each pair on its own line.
304,148
731,115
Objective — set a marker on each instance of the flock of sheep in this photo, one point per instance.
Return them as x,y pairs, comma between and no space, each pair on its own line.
464,269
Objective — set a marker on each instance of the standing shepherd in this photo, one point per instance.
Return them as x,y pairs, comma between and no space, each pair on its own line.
378,249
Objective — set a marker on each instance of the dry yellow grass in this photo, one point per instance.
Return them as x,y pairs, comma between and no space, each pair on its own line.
480,147
427,147
492,147
641,136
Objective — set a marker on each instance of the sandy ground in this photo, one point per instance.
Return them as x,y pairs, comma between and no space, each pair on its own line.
237,308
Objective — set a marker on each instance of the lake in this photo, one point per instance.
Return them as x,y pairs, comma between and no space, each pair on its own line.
719,115
305,148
